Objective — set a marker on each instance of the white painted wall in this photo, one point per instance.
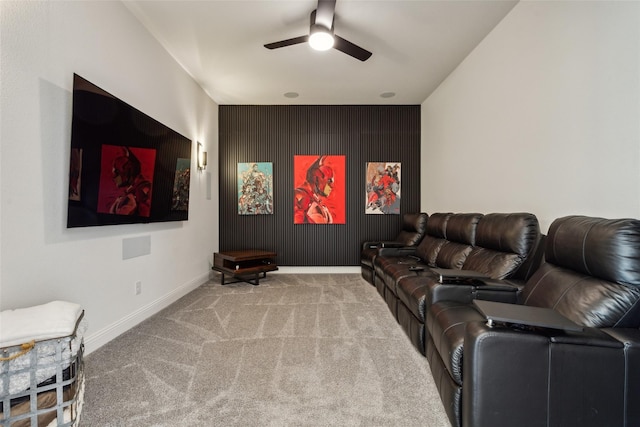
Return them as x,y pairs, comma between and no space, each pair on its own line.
543,116
42,45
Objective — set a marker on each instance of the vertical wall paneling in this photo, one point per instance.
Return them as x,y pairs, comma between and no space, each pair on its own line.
276,134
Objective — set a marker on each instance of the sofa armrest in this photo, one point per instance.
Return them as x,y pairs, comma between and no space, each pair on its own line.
382,244
496,290
589,337
470,290
524,316
532,378
372,244
496,285
409,251
630,338
392,244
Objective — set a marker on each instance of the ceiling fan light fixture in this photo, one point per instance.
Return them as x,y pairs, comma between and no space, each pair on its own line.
320,38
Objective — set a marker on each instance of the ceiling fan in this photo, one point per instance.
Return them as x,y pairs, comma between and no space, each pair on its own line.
321,36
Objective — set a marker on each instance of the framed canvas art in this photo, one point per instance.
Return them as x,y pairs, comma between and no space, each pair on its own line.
255,188
382,188
319,192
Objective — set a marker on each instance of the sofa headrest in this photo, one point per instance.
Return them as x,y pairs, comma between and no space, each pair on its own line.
608,249
508,232
461,228
437,224
415,222
414,226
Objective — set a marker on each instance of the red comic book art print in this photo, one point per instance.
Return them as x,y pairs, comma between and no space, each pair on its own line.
126,176
319,189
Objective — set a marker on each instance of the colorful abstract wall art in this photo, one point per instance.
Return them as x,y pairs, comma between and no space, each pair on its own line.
383,188
255,188
319,189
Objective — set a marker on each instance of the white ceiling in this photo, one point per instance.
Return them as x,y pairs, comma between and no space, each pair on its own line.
415,45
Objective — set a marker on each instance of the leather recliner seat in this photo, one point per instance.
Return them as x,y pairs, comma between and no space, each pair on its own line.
508,375
460,239
413,230
435,232
498,245
506,247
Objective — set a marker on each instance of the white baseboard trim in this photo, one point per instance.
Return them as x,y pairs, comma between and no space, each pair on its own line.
98,339
317,270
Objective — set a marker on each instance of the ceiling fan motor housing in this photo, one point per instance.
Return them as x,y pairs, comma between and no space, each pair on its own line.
320,37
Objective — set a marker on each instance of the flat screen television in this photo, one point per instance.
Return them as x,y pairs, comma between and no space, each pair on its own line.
125,166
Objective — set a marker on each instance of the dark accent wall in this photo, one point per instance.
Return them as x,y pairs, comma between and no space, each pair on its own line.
276,134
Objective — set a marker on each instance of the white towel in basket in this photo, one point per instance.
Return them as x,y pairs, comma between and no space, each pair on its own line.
41,322
53,327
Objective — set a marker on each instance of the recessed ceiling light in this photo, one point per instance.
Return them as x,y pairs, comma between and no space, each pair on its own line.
291,95
387,95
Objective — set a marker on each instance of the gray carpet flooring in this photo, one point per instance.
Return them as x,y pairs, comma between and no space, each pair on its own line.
297,350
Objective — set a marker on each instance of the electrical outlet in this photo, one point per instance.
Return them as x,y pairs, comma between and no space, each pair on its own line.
138,287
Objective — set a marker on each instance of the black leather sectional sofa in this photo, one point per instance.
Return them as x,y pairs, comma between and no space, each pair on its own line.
515,373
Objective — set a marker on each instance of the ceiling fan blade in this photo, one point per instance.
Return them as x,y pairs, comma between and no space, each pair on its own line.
350,49
325,12
287,42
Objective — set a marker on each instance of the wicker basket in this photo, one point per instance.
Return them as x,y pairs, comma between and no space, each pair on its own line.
42,383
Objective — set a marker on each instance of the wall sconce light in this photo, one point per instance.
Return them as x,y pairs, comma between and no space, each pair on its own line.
202,158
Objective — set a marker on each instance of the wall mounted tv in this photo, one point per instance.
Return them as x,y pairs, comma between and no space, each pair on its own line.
125,166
